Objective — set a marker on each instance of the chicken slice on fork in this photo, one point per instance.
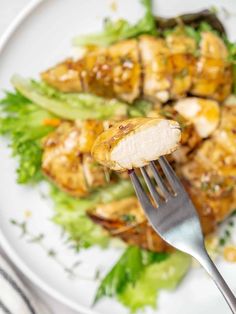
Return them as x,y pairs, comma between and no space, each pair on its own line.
134,142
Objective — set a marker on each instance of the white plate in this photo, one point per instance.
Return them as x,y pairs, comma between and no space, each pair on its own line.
40,37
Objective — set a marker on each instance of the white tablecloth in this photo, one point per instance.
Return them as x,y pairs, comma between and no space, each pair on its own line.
8,10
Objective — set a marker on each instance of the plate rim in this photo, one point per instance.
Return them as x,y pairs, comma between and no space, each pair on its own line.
8,250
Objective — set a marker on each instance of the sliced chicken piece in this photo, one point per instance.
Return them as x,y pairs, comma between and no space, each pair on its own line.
219,152
135,142
96,74
190,139
157,69
125,219
203,113
65,76
213,73
160,69
126,69
216,195
63,160
182,57
95,175
109,72
89,131
211,173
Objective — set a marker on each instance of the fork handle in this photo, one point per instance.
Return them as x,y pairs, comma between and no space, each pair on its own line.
212,270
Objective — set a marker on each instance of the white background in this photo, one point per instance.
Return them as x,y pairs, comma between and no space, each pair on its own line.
8,11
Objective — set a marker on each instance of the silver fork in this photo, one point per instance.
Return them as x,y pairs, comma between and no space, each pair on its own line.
175,219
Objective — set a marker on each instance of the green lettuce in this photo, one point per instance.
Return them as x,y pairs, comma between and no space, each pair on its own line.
165,275
139,275
121,29
22,121
71,213
127,271
69,106
140,108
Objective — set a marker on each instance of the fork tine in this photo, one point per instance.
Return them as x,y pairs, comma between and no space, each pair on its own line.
161,184
172,178
141,194
151,187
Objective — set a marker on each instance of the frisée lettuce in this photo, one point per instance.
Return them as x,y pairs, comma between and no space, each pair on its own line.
23,122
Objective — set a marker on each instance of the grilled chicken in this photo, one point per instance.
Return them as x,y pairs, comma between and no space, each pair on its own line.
156,68
167,66
135,142
213,74
125,219
109,72
207,171
203,113
66,160
212,172
160,69
209,178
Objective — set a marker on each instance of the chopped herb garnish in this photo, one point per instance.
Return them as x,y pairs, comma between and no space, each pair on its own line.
182,73
222,241
128,218
166,114
227,233
52,253
204,186
37,238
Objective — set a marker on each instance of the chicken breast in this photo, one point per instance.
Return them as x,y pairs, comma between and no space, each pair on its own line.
157,69
182,57
126,69
135,142
125,219
66,160
65,76
110,72
211,174
219,152
213,73
203,113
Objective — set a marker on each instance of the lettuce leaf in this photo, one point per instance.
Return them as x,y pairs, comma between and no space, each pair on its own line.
138,276
127,271
69,106
157,276
22,122
121,29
